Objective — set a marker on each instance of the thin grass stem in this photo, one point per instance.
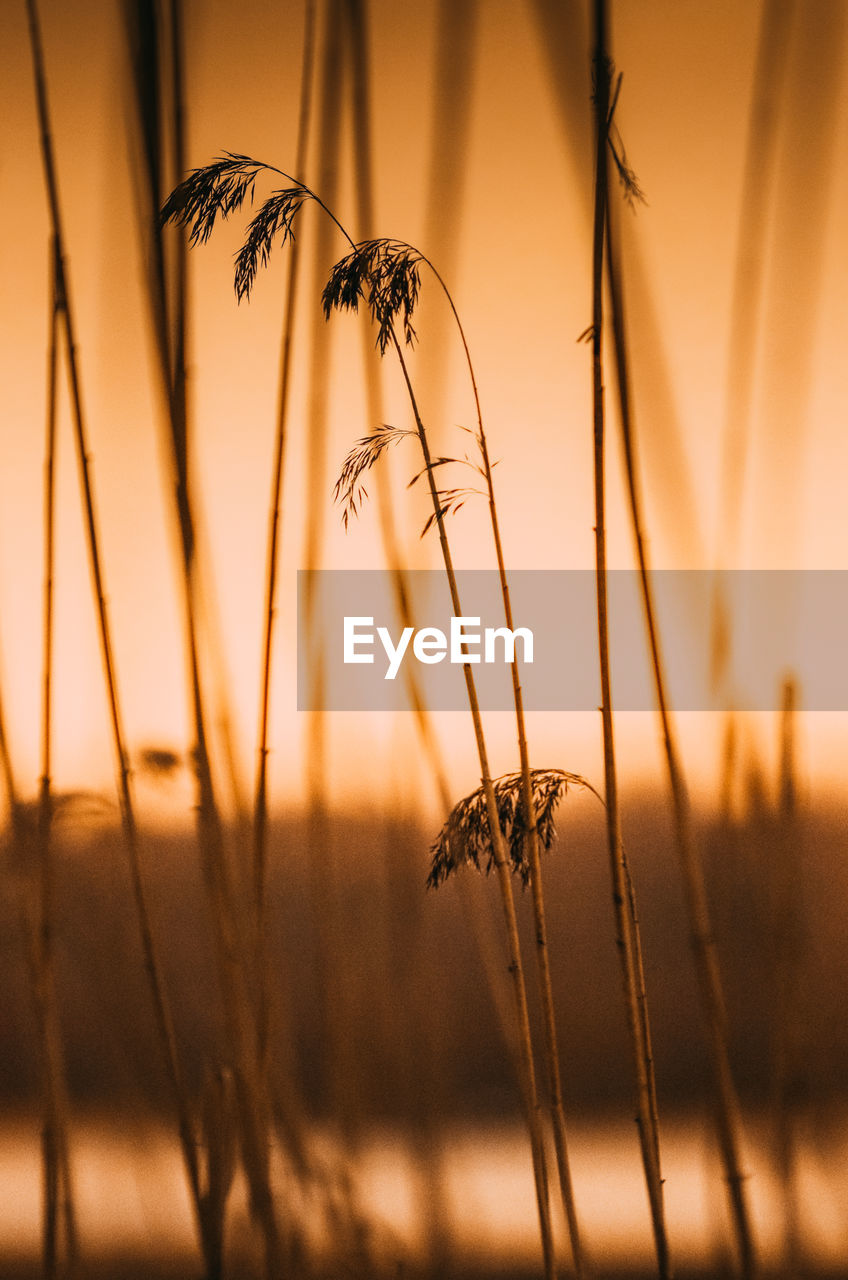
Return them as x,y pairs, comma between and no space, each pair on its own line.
710,987
500,857
260,808
59,1207
250,1095
199,200
788,929
419,1034
552,1057
127,807
633,988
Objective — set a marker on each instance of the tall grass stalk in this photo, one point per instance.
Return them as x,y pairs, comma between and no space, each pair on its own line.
13,802
364,167
326,880
455,77
787,929
726,1105
455,24
625,924
239,1018
260,804
127,807
440,510
59,1199
500,856
342,1095
420,1032
532,840
221,188
146,35
758,182
768,85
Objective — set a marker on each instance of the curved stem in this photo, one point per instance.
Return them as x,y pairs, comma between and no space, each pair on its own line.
552,1057
501,859
499,847
502,865
289,177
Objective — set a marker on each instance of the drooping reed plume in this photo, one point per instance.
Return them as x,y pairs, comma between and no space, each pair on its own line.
534,837
221,188
450,128
465,839
387,274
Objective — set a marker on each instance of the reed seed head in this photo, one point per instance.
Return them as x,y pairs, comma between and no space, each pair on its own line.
466,838
449,502
215,190
349,490
276,216
386,275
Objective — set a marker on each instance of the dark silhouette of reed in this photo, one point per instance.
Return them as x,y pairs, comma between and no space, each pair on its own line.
384,274
691,868
626,926
59,1199
244,1041
127,805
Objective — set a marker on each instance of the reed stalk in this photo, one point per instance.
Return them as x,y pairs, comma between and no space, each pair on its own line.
59,1199
220,189
10,786
502,863
260,806
774,41
625,930
145,34
60,1242
499,849
130,826
250,1095
726,1104
532,840
340,1086
787,928
129,823
420,1031
533,845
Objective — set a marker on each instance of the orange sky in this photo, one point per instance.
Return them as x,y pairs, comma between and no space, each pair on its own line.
521,281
